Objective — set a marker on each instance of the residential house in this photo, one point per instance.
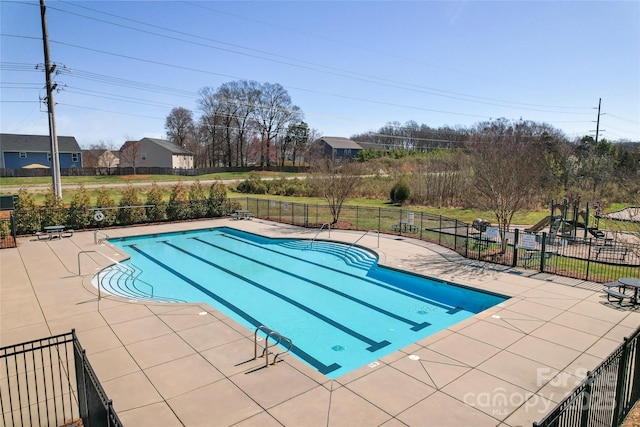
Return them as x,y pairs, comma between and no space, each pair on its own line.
151,152
101,159
337,148
34,151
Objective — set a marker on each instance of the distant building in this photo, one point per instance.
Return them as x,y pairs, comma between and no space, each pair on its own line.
151,152
101,159
337,148
34,151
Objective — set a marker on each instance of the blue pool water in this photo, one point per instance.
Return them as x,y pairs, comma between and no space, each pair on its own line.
340,309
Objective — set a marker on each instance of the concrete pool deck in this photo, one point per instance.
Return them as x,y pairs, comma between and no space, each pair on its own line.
169,365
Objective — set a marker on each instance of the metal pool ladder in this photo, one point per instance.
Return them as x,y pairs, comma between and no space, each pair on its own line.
276,337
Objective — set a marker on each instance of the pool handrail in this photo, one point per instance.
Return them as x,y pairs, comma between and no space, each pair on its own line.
277,338
95,239
321,228
130,271
365,233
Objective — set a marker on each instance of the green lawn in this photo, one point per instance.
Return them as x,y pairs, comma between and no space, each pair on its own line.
45,181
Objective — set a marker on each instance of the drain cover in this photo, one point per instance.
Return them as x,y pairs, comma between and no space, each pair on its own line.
337,348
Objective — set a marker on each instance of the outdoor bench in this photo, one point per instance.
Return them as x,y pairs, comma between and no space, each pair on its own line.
533,255
612,252
616,295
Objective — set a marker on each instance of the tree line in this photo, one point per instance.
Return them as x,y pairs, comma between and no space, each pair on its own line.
242,123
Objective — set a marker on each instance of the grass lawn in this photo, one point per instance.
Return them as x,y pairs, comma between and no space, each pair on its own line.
45,181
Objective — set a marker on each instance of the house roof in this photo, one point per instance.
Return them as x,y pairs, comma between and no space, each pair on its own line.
95,152
339,142
168,145
37,143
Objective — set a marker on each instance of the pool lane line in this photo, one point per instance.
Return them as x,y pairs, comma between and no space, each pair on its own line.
450,309
321,367
373,345
415,326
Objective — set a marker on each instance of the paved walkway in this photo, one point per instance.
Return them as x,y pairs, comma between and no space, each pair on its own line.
169,365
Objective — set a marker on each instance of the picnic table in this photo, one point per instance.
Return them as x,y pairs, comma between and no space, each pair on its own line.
241,214
405,226
54,231
623,284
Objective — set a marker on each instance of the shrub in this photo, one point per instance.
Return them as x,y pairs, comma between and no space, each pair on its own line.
26,214
253,185
399,192
54,212
128,212
78,216
104,200
217,199
158,211
198,200
178,206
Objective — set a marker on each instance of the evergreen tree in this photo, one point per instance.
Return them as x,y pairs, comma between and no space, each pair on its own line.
26,214
217,199
178,207
127,212
54,212
197,200
158,211
78,215
104,200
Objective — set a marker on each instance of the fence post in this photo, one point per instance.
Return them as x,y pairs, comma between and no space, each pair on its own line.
621,388
455,236
466,244
543,250
440,230
516,239
588,261
14,233
585,410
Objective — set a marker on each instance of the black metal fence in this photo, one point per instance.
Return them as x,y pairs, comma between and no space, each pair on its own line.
594,259
49,381
7,232
608,393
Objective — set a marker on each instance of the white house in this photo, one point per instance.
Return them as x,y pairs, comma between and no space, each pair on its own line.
151,152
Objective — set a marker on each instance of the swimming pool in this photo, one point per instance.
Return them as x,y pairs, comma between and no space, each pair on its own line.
340,309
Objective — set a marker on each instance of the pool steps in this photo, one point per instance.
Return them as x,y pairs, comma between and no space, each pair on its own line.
123,284
355,258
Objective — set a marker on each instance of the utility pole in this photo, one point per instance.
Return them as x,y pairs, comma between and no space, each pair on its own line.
598,122
55,158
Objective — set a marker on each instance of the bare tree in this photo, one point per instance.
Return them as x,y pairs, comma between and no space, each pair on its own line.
503,174
336,183
274,112
130,154
180,127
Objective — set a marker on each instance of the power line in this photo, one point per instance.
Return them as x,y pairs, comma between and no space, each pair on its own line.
334,70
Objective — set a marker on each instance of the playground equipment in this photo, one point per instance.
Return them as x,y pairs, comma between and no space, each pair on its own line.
568,224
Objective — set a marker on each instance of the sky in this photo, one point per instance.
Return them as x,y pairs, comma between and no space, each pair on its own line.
351,66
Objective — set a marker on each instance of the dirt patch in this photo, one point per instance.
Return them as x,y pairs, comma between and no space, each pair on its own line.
633,419
340,225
